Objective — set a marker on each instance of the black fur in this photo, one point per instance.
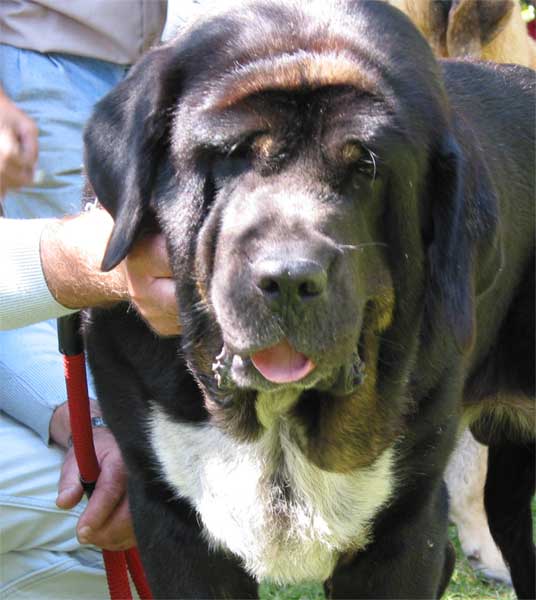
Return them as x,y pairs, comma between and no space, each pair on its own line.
437,304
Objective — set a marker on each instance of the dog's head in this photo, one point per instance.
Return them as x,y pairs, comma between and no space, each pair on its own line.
304,169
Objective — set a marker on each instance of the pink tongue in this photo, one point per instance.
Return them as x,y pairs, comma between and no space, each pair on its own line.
282,364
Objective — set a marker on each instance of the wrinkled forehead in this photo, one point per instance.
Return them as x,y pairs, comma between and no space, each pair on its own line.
277,46
304,63
290,72
267,46
274,92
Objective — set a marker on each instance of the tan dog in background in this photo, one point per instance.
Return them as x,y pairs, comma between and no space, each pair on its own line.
481,29
485,30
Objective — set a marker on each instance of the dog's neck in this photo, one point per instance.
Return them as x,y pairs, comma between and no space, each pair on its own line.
271,406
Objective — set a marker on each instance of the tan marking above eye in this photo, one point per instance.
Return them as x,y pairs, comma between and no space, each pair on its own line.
293,70
263,145
351,152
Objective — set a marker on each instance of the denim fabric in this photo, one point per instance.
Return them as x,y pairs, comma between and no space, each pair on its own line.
39,554
58,92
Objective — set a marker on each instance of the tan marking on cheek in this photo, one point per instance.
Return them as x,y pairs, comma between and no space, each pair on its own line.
385,306
290,72
204,360
354,430
201,279
202,291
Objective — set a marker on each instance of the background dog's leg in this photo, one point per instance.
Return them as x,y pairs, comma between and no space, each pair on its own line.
508,492
465,477
175,554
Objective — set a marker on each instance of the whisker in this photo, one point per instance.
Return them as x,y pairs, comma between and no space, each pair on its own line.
345,247
373,158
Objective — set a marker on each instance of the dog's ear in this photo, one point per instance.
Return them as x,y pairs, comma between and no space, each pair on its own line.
463,229
431,18
473,24
125,142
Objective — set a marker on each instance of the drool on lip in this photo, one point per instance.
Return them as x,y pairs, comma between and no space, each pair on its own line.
282,364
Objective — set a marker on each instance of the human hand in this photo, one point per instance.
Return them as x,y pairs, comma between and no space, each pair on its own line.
150,285
106,521
71,254
18,146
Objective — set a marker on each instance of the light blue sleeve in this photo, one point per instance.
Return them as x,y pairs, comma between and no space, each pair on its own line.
24,294
32,380
31,375
58,92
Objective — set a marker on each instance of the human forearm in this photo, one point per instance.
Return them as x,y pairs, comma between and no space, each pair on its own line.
49,268
31,376
71,254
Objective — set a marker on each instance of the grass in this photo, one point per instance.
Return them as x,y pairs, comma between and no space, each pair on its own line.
468,584
465,584
312,591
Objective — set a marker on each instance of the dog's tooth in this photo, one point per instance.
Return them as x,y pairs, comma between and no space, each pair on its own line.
359,371
222,354
222,369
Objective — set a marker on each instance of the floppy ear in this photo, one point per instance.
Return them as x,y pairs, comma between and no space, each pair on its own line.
125,142
464,219
474,23
431,18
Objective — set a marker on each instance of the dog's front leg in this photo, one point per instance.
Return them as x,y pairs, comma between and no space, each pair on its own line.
410,556
176,557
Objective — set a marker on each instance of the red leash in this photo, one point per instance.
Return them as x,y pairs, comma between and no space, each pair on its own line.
116,563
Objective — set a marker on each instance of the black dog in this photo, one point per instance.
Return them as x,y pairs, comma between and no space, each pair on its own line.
351,230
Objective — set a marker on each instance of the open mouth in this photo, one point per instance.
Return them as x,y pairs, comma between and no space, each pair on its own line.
282,363
279,364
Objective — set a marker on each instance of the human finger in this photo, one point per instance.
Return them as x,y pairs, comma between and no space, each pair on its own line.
157,304
150,284
117,533
15,171
110,486
29,141
150,255
70,489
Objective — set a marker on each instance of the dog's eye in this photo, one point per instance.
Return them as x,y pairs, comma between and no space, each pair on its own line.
362,162
256,145
239,150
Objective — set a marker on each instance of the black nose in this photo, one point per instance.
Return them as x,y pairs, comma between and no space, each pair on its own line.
288,280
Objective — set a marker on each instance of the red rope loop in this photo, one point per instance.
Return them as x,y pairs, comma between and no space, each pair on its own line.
79,415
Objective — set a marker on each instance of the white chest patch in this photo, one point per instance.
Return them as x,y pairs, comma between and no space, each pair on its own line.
284,517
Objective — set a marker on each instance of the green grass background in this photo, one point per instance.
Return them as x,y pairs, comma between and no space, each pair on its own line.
464,585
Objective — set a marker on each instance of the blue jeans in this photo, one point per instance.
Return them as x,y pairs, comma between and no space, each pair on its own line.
58,92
